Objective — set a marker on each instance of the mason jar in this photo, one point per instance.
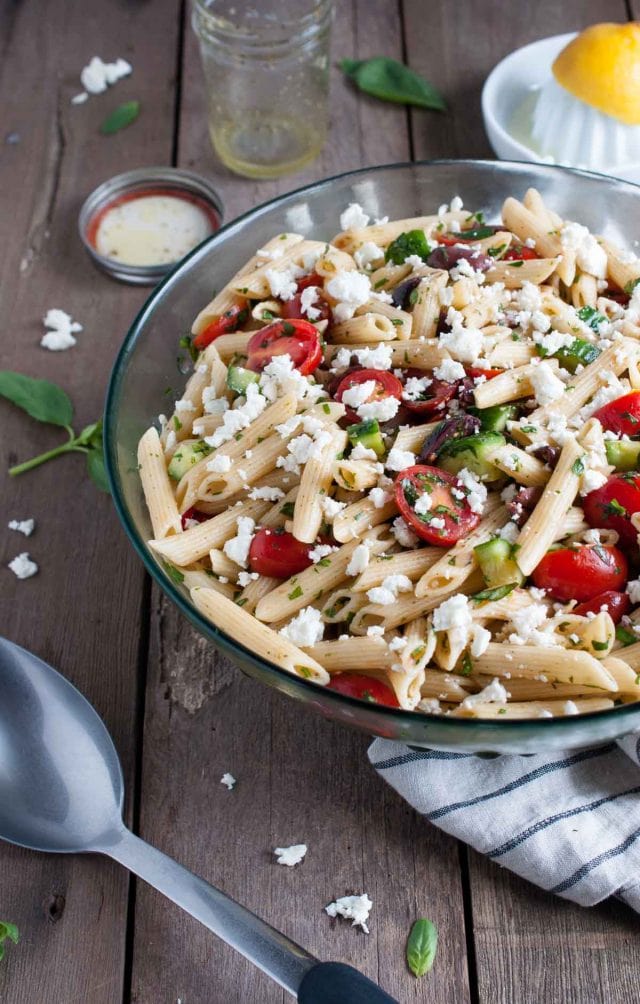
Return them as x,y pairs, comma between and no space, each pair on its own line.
266,67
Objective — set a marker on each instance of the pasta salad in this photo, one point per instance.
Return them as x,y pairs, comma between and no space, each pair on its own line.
406,465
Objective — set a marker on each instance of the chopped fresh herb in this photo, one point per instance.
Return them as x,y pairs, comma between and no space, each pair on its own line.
421,946
177,424
408,243
305,671
466,665
324,562
396,321
613,508
389,80
494,252
379,283
486,595
241,601
9,931
174,573
599,646
592,317
267,315
418,652
295,593
326,408
187,343
502,711
413,297
624,636
515,264
578,466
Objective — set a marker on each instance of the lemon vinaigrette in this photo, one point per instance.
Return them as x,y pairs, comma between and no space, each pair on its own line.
266,68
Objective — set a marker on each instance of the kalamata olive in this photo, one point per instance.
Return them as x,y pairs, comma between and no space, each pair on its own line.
400,295
523,503
451,428
446,257
547,454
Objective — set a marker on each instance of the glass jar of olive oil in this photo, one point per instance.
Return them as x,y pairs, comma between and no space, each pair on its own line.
266,67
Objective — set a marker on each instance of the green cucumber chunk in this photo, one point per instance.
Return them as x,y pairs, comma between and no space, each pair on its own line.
624,454
579,353
494,419
497,563
186,456
239,378
368,433
470,452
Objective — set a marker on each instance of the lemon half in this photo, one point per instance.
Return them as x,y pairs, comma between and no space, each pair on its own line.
602,68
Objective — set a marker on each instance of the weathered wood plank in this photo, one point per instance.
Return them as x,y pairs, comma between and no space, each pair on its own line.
81,612
300,779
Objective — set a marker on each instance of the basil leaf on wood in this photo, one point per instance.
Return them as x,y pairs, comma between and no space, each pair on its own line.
389,80
10,931
421,946
44,401
120,117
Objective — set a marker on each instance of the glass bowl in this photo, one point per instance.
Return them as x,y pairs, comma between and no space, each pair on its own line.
146,367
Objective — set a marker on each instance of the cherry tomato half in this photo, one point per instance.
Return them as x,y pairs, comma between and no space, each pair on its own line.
278,553
293,307
580,573
435,396
386,385
364,688
615,604
622,415
474,372
612,506
295,338
453,517
193,513
223,325
519,252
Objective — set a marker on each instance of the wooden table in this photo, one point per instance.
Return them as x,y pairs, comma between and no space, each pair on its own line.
182,716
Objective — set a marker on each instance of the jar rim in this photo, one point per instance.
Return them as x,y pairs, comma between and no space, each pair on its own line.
218,28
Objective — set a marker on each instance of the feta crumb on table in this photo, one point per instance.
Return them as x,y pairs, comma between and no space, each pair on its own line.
22,566
290,856
25,526
228,780
97,75
61,329
353,908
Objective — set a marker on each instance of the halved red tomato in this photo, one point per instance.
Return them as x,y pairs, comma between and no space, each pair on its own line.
580,573
278,553
425,498
193,513
293,307
621,416
364,688
474,372
519,252
615,604
223,325
386,385
435,396
612,506
295,338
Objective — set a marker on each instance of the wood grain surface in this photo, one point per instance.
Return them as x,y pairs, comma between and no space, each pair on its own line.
181,715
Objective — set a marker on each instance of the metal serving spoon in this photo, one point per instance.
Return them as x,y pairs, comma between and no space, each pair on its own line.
62,790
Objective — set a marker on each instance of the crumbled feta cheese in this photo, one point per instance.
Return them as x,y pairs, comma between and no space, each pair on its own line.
361,452
528,623
591,480
321,551
280,377
22,566
219,465
25,526
331,507
359,560
367,253
463,343
529,297
509,532
480,638
454,615
590,256
399,459
633,590
213,405
228,780
397,644
236,419
375,631
403,533
237,548
378,358
547,387
290,856
477,493
493,692
450,371
379,497
414,260
61,330
353,217
97,75
387,593
282,282
267,493
306,628
184,406
351,290
437,523
552,342
171,440
245,578
308,297
570,708
270,254
353,908
456,204
382,410
422,504
415,387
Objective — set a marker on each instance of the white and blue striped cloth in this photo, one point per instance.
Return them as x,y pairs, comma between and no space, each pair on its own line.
568,822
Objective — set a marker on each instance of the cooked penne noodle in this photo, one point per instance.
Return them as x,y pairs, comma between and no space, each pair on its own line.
158,493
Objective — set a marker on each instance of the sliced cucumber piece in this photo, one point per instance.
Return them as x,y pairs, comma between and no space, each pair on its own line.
186,456
239,378
579,353
368,433
497,563
470,452
495,419
623,454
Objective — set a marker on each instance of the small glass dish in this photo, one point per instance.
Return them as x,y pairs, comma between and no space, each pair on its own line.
146,365
143,183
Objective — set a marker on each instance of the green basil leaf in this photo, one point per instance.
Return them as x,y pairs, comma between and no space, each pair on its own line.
389,80
97,469
7,931
497,593
120,117
421,946
44,401
408,243
91,435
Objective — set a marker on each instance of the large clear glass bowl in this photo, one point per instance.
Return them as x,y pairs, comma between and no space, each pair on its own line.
146,366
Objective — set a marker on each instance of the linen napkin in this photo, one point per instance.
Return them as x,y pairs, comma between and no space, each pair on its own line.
568,822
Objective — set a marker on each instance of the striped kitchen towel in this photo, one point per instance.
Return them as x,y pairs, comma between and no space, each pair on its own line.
568,822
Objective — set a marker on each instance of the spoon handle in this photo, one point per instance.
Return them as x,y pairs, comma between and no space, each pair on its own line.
282,960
